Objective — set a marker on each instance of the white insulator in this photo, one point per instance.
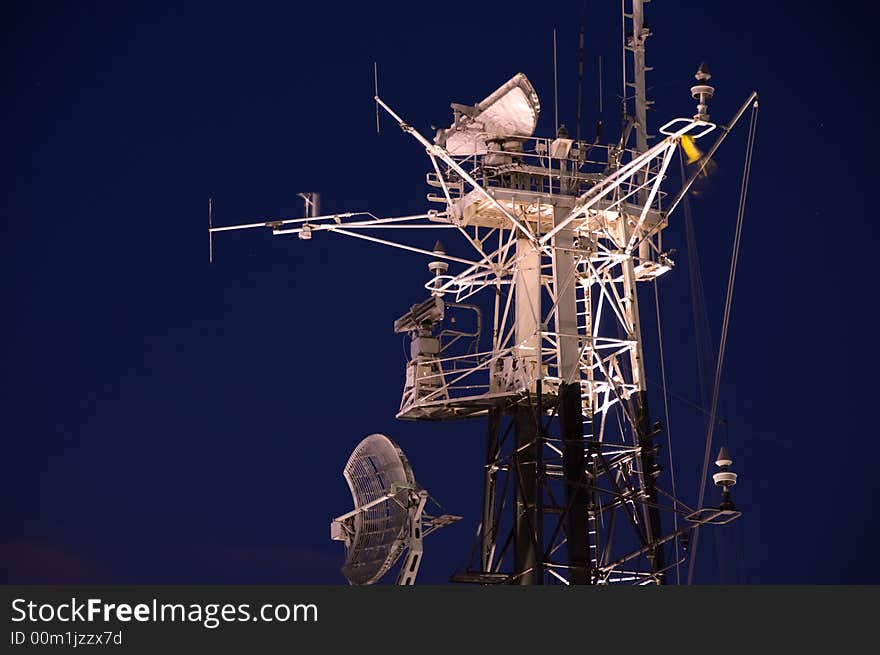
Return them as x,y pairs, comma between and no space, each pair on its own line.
306,232
724,478
702,93
438,267
703,90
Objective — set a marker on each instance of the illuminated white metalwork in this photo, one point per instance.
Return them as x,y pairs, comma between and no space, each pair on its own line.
556,235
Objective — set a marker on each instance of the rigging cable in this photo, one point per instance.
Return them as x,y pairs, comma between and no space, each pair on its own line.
668,429
623,55
702,331
724,328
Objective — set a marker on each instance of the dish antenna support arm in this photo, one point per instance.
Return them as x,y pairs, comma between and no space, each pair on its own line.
414,546
340,531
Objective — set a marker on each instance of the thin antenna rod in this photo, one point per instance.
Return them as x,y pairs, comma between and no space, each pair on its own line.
623,54
210,230
555,84
376,92
640,35
600,86
580,81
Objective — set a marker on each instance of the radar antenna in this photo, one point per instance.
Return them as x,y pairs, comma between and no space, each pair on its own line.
389,517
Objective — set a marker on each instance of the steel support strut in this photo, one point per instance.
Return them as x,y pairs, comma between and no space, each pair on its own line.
571,420
489,537
649,473
576,494
527,556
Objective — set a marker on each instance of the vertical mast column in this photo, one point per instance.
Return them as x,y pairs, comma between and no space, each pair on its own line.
565,281
639,404
640,34
527,555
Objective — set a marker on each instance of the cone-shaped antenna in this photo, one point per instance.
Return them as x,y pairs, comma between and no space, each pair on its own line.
703,73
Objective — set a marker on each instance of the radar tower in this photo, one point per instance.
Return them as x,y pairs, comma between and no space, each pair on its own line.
560,233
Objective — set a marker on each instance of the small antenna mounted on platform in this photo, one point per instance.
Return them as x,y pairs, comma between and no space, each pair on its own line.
210,231
312,202
555,84
376,92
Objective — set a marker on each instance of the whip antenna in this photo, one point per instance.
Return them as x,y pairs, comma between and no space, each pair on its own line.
555,84
210,231
580,83
376,92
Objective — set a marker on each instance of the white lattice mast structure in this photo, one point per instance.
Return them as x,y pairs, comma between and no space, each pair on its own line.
560,234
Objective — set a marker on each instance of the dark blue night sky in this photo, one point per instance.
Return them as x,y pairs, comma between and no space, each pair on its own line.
167,421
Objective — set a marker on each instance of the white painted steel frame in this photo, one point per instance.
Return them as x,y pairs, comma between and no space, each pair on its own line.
605,226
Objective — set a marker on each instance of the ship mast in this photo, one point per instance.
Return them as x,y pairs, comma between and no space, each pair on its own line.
635,44
558,235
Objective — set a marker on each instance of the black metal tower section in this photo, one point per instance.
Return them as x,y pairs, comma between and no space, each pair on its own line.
650,471
529,478
562,506
536,507
577,483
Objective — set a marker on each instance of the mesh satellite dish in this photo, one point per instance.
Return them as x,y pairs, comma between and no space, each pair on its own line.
388,518
511,111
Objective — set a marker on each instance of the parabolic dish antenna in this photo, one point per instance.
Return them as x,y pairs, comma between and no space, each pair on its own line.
388,518
510,111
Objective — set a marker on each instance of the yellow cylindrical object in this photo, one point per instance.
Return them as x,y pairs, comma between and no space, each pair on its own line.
690,149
